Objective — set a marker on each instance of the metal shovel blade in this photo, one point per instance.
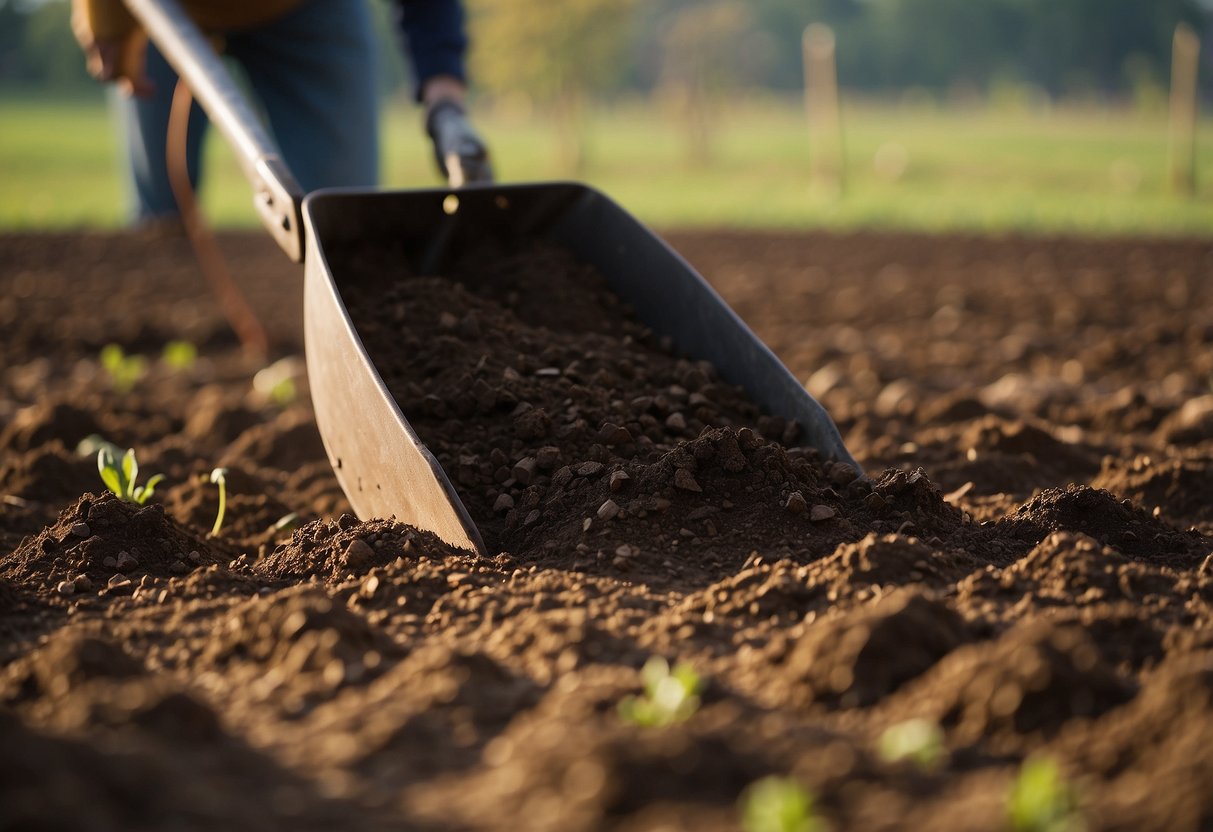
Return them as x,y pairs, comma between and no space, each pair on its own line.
382,465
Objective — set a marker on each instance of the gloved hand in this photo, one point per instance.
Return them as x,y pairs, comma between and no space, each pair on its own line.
113,45
461,154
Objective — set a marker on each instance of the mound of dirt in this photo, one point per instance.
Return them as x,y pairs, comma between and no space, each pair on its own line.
1032,680
1181,489
856,659
1100,515
102,544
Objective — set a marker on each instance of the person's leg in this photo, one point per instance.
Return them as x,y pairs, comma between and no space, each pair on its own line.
314,71
144,124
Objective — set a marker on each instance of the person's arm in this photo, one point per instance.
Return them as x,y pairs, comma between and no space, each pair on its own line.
113,44
432,32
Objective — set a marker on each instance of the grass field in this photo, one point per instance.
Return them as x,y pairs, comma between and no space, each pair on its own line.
1062,170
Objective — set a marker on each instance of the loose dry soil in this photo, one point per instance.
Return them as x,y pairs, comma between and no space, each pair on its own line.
1027,564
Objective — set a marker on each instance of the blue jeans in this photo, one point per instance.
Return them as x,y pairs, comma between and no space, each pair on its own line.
313,73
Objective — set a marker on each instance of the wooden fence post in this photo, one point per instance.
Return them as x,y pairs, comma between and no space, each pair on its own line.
827,172
1185,60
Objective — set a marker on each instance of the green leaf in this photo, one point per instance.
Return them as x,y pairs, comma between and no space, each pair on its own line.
130,467
109,476
142,495
778,804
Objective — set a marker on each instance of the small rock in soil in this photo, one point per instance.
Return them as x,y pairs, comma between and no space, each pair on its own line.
81,529
608,510
685,480
358,554
796,503
524,470
821,513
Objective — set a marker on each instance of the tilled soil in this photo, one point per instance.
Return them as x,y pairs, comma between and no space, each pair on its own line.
1026,566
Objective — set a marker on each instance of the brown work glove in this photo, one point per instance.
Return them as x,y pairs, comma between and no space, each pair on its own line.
114,46
462,155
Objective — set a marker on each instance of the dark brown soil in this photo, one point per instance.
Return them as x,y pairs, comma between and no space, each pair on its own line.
1028,566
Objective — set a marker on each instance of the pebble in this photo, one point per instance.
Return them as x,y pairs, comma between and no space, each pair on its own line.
796,503
358,553
83,583
875,502
81,529
547,457
524,470
676,421
589,469
821,513
685,480
194,557
532,518
118,581
608,510
66,588
842,474
612,434
126,562
110,562
504,503
618,478
178,567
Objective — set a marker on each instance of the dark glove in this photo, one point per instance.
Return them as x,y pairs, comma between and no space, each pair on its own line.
461,153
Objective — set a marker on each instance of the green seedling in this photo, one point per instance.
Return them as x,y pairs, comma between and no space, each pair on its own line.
1041,800
285,523
91,444
219,478
277,381
918,740
669,695
124,370
779,804
120,476
179,356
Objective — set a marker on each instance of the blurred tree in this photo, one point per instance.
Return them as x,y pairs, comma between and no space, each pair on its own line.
704,61
554,53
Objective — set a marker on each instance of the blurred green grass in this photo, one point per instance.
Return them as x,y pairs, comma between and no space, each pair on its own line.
1061,170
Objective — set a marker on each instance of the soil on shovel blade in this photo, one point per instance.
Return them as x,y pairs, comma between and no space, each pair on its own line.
1027,568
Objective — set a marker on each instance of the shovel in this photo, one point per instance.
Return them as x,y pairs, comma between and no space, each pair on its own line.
382,465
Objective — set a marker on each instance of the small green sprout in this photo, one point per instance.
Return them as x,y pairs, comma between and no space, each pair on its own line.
779,804
286,523
120,476
917,740
91,444
1041,800
219,477
669,695
277,381
124,370
179,356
